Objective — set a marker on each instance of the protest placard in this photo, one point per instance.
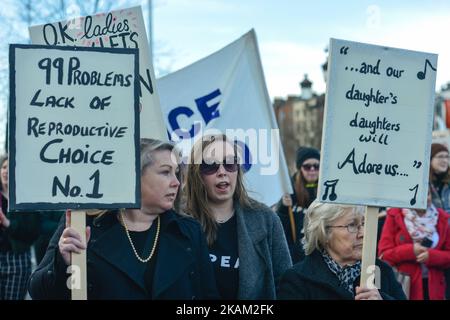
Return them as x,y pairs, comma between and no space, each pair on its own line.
74,128
377,126
116,29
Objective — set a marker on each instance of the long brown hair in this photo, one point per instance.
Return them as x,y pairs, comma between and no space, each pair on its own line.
300,190
445,177
197,203
434,178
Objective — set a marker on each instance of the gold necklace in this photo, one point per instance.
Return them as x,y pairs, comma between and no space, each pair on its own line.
155,242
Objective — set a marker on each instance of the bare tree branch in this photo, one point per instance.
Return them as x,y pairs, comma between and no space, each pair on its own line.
17,15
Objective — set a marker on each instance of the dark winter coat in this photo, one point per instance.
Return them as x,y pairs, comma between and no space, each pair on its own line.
311,279
263,252
22,231
182,271
295,247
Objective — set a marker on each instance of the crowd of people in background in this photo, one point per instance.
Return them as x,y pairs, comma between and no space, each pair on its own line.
18,231
199,235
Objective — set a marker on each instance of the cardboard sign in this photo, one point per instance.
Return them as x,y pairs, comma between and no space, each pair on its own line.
116,29
377,126
74,128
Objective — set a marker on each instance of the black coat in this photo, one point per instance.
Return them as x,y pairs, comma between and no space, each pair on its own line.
182,271
311,279
295,248
49,223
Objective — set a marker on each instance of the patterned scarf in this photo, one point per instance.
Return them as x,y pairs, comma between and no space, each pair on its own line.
423,227
346,275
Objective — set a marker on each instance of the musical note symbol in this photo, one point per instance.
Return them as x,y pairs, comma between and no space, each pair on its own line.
420,74
413,200
330,184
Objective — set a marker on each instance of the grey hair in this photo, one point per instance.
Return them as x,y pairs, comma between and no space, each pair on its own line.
317,218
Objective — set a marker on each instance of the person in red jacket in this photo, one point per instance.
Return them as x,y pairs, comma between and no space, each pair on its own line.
417,242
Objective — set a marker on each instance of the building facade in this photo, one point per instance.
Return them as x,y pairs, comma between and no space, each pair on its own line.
300,121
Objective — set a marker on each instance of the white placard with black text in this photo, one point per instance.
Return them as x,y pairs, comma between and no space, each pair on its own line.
74,128
377,125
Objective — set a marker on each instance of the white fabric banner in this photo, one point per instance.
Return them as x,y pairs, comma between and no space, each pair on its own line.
226,92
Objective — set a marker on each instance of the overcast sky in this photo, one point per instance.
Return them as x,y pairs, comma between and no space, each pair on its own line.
292,34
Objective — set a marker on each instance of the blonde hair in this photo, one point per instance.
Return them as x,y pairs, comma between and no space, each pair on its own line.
195,190
148,147
317,218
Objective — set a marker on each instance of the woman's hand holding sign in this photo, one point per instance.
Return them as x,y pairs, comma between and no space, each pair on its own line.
70,240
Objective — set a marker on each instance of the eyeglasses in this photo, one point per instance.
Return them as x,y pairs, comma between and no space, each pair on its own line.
211,168
308,166
351,227
447,157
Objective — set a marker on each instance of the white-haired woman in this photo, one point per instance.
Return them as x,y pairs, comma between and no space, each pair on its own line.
332,267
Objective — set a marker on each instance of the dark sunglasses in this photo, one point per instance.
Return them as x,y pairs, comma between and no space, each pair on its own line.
211,168
308,166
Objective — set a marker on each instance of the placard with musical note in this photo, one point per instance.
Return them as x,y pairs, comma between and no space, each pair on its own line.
377,125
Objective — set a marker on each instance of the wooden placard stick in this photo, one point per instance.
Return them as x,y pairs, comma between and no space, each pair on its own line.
292,223
369,247
79,285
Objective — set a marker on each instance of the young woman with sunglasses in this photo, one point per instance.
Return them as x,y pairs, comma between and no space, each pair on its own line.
304,183
246,242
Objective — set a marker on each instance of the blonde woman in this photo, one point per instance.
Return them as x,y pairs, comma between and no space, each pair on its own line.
146,253
332,267
246,241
